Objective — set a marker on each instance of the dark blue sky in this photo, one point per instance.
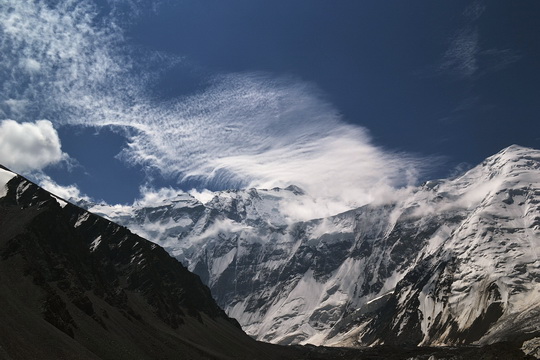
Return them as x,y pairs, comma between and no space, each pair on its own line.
456,79
378,62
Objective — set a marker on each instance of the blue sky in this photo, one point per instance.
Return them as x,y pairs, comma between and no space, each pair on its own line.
339,97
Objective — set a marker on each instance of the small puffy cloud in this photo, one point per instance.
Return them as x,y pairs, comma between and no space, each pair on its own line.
29,146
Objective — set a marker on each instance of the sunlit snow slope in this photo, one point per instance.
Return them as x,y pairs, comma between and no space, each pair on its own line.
452,261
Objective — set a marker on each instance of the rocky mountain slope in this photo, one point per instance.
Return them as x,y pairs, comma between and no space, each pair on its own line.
76,286
451,262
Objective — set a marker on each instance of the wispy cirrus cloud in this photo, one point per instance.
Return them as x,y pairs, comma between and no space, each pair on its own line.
465,57
461,57
70,63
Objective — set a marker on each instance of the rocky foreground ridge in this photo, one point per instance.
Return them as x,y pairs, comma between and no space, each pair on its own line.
76,286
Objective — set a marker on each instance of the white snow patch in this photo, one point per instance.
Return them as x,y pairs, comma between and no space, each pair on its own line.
429,306
23,186
95,243
60,201
532,347
5,177
112,212
82,218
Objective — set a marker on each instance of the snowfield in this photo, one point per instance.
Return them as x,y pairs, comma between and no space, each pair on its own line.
451,261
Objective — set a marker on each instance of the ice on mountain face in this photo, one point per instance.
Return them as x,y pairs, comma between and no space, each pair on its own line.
453,255
491,231
256,205
491,276
5,177
181,223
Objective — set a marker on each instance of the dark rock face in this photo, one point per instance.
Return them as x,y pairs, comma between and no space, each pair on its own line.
83,287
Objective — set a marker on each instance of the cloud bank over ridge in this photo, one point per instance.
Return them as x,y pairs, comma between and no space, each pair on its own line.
72,64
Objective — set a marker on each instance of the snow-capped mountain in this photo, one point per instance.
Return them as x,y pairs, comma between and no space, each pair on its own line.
74,285
451,261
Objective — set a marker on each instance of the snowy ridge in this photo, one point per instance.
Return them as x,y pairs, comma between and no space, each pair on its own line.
452,261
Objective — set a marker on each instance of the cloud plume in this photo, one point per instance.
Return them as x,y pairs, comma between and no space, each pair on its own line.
73,64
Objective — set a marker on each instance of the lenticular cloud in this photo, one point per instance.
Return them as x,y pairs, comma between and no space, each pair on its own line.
251,129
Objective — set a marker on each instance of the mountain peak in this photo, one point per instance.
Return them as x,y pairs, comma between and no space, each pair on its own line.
513,158
515,152
295,190
512,167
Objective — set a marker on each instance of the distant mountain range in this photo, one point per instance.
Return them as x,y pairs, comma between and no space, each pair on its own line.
450,263
453,261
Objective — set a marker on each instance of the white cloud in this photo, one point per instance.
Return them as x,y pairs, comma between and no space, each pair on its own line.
225,226
67,192
244,130
150,197
49,50
29,146
249,130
